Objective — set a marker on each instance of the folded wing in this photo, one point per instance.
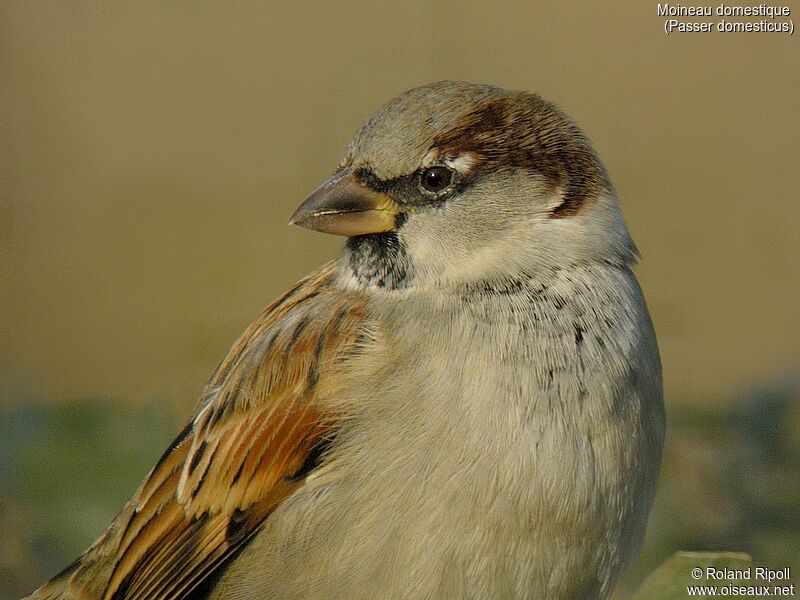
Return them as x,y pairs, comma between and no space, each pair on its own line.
262,426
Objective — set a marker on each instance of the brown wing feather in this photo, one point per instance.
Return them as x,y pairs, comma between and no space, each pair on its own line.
262,414
261,418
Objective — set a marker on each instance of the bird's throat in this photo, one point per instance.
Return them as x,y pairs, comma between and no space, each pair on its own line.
378,260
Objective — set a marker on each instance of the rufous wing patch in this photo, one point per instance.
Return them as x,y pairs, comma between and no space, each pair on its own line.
263,419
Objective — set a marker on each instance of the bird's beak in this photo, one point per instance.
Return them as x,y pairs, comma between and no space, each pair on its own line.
343,206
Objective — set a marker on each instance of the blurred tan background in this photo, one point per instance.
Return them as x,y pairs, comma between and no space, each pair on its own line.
152,153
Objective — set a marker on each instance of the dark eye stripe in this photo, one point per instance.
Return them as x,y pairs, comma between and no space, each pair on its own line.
407,189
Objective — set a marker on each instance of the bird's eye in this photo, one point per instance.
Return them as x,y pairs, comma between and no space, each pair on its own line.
435,179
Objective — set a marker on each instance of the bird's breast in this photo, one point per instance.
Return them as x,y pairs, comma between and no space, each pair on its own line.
496,447
523,423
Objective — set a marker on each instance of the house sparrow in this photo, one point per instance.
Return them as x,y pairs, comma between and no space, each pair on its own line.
467,403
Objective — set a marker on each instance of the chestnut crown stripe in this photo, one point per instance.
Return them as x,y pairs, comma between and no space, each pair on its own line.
526,132
522,131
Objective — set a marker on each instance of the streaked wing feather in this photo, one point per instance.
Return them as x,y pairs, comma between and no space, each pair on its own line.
261,417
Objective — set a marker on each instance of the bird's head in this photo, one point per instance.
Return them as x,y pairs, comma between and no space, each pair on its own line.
456,184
